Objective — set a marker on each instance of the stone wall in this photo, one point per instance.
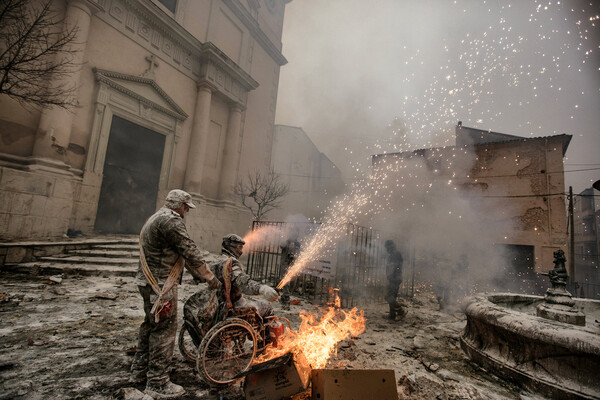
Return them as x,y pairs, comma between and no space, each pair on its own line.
312,178
85,203
208,223
34,204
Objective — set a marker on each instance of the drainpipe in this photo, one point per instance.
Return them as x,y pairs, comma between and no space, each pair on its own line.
572,237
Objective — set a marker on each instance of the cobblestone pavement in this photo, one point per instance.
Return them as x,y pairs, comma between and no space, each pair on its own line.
73,337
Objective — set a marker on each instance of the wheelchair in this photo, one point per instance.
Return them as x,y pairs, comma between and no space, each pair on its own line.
223,342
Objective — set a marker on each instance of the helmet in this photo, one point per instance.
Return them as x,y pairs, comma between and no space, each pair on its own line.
231,243
232,239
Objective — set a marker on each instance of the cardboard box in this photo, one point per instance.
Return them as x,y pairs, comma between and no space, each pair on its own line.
277,378
353,384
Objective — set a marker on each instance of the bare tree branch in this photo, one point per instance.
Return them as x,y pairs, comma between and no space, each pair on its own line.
36,54
261,193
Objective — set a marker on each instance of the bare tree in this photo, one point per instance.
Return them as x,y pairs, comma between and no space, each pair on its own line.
261,193
36,54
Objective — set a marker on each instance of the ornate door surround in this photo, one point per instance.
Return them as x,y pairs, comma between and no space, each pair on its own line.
139,100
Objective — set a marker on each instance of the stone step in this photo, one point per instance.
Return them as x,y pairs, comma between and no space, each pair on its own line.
95,252
28,251
119,246
46,268
69,259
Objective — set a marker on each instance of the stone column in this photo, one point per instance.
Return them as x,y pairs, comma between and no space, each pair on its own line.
54,130
194,170
231,155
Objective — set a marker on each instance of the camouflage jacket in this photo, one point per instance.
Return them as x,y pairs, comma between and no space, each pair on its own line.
240,280
164,238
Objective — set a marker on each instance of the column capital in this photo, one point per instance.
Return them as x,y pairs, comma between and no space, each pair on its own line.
235,106
90,7
206,86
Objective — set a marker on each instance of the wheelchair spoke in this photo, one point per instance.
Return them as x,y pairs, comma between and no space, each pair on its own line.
227,350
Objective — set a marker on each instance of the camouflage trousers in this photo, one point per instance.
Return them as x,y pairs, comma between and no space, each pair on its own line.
156,340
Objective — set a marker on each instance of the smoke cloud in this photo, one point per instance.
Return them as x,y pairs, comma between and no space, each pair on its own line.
359,70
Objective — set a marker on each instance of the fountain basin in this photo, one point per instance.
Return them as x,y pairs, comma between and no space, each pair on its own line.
553,358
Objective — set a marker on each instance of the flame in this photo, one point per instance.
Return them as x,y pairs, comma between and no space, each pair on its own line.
316,339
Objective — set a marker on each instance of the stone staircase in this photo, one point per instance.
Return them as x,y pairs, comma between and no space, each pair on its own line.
91,256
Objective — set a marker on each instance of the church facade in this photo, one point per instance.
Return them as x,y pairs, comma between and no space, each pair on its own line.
171,94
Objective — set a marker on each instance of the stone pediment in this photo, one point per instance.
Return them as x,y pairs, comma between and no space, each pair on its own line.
142,89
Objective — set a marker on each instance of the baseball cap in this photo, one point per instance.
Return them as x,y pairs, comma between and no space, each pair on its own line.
178,195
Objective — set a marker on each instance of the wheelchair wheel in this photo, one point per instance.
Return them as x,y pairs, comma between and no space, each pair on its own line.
187,348
227,350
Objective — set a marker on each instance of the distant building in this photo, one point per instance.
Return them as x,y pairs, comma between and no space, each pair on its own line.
586,213
312,178
172,94
525,178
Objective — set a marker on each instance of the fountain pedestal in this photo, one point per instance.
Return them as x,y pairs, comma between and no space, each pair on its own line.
561,313
559,304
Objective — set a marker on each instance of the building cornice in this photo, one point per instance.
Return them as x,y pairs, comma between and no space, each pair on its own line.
146,24
212,54
249,22
564,138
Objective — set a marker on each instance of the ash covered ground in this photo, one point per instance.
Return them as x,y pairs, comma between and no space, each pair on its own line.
75,340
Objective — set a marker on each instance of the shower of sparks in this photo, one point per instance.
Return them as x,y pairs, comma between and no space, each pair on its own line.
369,197
487,66
491,73
483,79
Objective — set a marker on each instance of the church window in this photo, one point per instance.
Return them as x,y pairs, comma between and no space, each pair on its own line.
171,5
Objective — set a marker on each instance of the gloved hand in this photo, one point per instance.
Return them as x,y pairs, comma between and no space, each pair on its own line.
214,283
268,293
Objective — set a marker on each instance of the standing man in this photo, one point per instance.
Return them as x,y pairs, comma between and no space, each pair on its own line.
165,248
289,251
393,269
236,282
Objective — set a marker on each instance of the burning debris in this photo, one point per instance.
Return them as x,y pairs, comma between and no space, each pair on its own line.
317,338
285,367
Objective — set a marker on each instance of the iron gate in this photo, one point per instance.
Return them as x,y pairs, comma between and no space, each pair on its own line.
359,263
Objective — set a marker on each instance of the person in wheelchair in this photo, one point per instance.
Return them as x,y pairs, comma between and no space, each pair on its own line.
223,330
230,271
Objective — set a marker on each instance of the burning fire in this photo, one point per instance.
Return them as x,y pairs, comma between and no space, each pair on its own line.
316,338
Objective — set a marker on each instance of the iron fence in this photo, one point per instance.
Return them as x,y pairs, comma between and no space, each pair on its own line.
358,264
587,290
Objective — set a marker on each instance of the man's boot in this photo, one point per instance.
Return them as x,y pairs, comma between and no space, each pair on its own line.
400,312
167,391
392,315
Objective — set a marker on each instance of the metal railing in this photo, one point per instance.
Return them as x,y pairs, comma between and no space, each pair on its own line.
585,290
358,264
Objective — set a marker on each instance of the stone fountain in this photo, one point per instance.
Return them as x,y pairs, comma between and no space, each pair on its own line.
559,304
550,344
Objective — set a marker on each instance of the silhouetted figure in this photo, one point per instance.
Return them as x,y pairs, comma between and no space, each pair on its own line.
393,270
289,252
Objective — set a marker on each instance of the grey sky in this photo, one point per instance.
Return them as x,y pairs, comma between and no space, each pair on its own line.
526,68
